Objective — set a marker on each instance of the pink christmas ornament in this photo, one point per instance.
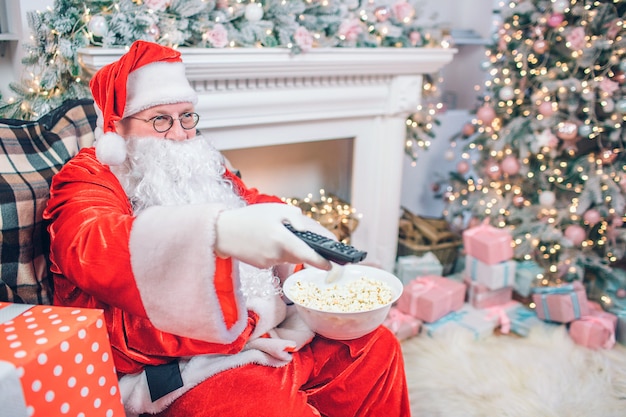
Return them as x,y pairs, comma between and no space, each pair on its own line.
617,222
468,129
382,13
493,170
510,165
567,131
518,201
555,20
607,156
540,46
575,234
462,167
621,293
619,77
486,114
546,109
154,31
592,216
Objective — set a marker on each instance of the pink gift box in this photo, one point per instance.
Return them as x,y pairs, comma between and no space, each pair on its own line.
561,304
488,244
402,325
595,330
493,276
480,296
431,297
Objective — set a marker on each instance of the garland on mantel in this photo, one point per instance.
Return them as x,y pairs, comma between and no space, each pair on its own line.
53,73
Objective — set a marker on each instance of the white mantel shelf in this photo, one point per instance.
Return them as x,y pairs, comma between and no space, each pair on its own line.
251,97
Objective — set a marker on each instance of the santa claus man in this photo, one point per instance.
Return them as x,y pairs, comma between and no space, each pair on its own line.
151,227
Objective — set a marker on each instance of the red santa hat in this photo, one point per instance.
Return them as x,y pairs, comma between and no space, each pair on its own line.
147,75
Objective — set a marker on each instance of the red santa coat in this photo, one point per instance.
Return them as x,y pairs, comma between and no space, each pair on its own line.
103,256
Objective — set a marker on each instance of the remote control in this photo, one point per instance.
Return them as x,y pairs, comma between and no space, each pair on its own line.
332,250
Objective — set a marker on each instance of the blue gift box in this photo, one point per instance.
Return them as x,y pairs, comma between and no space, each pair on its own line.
526,276
410,267
479,323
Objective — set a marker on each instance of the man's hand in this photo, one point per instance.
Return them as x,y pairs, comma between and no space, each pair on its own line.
256,235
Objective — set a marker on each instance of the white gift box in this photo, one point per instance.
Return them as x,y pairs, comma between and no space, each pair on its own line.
410,267
492,276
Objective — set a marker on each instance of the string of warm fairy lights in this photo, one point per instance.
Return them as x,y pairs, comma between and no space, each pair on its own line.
330,211
548,137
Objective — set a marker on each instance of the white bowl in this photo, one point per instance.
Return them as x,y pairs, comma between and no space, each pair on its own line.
340,325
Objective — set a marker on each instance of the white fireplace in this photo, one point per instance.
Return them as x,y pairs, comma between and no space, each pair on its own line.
252,98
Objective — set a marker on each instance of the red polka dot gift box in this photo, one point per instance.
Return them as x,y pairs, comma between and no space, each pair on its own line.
56,361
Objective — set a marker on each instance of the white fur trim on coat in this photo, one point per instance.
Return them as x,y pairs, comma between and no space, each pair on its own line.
173,262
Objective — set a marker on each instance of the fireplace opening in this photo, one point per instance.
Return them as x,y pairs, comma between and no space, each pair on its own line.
298,169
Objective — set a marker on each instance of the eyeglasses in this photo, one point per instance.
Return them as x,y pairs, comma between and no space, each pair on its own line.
164,122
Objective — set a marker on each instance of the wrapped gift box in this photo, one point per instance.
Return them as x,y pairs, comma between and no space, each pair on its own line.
62,359
431,297
617,306
493,276
478,323
488,244
480,296
595,330
561,304
515,317
412,266
526,274
402,325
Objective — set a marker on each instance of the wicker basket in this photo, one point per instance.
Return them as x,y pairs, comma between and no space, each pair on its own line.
419,235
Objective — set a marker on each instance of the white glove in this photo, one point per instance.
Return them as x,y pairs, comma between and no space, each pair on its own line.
256,235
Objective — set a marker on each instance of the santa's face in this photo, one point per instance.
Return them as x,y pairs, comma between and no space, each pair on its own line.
142,124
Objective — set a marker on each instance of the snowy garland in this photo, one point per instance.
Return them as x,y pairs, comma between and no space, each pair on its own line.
54,73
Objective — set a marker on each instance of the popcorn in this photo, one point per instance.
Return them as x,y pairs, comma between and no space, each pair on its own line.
362,294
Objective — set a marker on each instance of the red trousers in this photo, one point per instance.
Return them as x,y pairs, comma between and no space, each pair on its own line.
356,378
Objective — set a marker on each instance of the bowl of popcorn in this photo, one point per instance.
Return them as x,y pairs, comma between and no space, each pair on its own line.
348,308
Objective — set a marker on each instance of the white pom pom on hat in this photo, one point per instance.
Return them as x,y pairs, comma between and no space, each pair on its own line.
147,75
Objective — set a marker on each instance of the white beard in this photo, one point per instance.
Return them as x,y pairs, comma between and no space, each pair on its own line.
164,172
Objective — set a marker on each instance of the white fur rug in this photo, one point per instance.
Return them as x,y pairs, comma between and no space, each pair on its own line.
542,375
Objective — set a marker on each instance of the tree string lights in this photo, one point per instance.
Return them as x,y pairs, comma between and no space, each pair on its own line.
545,154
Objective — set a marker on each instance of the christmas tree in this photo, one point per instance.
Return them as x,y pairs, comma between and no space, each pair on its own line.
545,154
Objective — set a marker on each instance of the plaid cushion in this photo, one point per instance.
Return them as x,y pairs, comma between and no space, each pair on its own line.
31,152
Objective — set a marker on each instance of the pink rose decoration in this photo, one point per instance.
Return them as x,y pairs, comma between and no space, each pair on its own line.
576,38
303,38
403,11
415,38
218,36
350,29
608,86
158,5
